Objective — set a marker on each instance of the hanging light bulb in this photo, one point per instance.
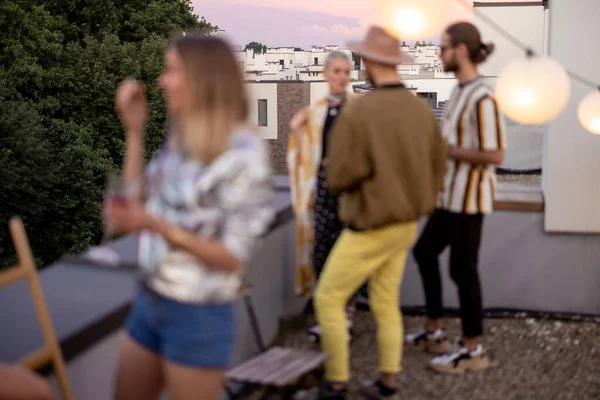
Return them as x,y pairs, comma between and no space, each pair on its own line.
589,112
533,90
415,19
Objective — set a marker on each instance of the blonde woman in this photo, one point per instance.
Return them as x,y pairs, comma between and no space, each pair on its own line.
207,200
316,207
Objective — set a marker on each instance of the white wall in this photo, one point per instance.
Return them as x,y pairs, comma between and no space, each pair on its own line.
521,267
261,67
529,25
524,23
318,90
266,91
572,162
310,76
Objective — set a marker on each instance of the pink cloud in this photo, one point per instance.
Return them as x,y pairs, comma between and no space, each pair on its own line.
314,28
366,10
300,22
342,8
363,9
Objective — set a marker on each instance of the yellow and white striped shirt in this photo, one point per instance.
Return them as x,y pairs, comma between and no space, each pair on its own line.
471,120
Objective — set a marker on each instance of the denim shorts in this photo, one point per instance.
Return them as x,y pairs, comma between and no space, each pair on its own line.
193,335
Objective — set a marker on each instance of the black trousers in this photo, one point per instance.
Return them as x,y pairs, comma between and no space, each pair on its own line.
462,232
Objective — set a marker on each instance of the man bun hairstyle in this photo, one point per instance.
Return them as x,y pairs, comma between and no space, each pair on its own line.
468,34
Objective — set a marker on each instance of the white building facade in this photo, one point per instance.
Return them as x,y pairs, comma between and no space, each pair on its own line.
285,63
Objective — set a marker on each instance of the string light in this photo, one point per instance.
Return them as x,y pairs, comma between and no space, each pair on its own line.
523,93
528,95
589,112
414,19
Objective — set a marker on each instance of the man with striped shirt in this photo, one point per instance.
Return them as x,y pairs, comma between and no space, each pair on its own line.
474,130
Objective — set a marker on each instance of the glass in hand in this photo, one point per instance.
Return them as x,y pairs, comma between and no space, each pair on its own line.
115,194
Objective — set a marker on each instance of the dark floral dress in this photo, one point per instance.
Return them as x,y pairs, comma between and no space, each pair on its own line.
327,223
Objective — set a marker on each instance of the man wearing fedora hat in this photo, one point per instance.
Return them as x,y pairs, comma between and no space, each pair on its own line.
386,158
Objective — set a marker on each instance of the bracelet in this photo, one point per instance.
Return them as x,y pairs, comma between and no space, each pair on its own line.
132,189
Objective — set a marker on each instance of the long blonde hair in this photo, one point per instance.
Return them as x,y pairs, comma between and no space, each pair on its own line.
217,98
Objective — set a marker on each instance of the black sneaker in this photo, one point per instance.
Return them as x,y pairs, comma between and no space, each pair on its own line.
378,391
326,392
436,342
459,360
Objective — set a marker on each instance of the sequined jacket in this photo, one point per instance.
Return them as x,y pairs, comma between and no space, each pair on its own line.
228,200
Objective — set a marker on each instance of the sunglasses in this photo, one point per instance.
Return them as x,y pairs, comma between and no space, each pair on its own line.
443,49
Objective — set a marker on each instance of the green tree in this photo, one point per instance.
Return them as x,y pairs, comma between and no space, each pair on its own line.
258,48
60,64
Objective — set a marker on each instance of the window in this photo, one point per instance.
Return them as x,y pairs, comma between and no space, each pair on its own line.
262,112
316,60
430,98
290,62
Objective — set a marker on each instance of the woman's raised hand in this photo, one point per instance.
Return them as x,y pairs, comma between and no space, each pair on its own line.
132,106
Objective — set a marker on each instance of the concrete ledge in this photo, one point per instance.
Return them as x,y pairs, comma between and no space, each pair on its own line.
523,197
88,303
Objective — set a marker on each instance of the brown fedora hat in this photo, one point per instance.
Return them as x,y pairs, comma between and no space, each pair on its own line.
381,47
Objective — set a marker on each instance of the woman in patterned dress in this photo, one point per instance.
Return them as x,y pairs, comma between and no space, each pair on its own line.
307,164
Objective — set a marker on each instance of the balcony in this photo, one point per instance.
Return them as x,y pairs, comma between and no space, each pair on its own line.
540,293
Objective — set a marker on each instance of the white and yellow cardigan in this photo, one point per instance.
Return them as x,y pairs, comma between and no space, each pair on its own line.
303,167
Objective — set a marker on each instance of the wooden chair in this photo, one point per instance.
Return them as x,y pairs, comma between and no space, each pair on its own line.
278,370
26,269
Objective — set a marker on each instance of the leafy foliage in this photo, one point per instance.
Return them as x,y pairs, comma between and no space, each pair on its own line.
60,64
258,48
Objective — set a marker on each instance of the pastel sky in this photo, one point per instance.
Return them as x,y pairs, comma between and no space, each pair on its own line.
301,23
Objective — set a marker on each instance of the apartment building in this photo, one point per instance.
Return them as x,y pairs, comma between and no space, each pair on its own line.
287,63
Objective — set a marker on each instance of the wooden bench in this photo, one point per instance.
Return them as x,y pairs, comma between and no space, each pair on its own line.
278,370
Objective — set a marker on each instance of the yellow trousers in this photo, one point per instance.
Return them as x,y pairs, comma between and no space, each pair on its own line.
378,256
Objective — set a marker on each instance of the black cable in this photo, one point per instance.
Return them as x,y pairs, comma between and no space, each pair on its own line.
494,25
519,44
583,80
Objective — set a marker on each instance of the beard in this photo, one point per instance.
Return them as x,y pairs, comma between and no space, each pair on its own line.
451,66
